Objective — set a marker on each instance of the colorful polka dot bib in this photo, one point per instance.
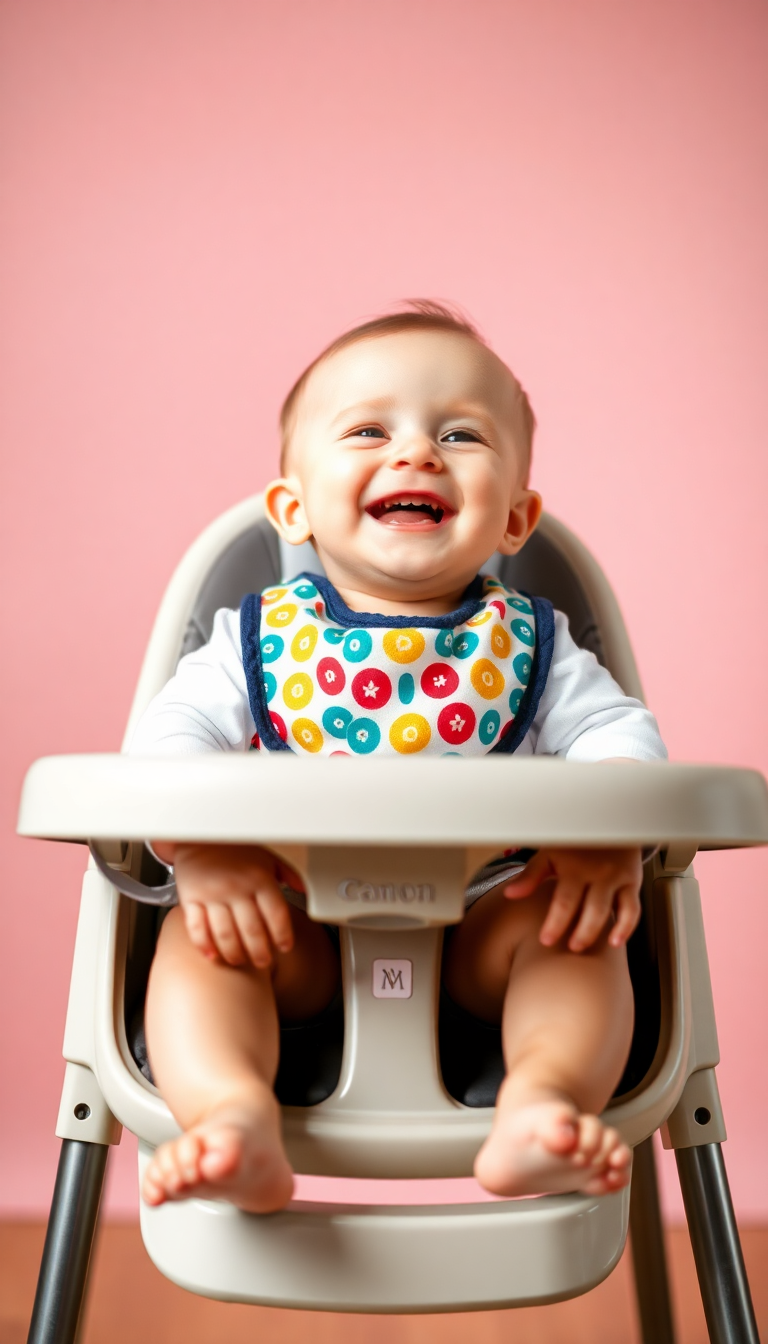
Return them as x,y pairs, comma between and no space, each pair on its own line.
328,681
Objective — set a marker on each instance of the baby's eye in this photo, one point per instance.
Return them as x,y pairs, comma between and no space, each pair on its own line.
460,436
369,432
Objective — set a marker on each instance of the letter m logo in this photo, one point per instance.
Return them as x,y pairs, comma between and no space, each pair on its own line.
392,978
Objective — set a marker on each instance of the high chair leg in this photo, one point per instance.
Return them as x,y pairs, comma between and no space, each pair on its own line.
648,1257
716,1246
66,1255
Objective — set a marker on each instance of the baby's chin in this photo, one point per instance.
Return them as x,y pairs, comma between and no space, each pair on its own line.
397,572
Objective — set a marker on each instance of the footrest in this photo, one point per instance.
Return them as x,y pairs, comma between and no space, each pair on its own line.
412,1258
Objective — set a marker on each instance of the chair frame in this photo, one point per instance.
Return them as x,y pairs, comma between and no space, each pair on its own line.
102,1080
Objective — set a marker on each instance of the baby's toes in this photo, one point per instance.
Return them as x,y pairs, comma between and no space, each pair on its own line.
591,1139
187,1155
558,1129
223,1154
168,1168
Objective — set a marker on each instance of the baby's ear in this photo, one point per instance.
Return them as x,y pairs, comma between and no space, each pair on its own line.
284,508
523,517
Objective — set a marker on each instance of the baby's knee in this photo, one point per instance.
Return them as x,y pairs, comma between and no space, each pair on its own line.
480,951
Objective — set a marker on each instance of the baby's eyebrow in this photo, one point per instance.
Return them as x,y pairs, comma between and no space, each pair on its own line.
363,409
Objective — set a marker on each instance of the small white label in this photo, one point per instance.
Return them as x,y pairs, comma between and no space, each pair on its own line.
392,979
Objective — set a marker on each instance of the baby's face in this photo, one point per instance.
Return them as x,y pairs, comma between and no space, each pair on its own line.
407,465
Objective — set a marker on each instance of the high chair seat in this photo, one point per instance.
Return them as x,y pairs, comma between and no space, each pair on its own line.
386,849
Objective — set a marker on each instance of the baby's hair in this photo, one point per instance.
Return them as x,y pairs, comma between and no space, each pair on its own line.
416,315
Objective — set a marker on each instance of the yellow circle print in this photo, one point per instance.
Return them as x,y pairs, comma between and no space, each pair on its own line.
307,734
410,732
303,644
481,618
297,691
500,641
272,595
282,616
403,646
486,679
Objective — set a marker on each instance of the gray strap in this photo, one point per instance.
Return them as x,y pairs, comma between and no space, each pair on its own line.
164,895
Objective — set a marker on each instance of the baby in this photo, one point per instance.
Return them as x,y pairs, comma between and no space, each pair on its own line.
406,450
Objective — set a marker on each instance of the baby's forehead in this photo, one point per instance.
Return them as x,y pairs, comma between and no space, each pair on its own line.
424,365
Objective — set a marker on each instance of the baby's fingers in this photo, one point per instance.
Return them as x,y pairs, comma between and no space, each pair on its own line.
566,899
628,912
594,916
273,909
225,935
198,932
253,933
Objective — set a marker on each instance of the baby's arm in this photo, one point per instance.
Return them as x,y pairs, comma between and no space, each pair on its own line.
229,894
584,715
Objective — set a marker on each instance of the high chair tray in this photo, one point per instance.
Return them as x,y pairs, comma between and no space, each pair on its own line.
447,802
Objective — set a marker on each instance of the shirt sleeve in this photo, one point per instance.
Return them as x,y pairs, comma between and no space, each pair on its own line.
204,707
583,713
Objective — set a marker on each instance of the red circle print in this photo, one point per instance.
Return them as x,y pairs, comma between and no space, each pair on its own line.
279,725
439,681
330,676
500,608
371,688
456,722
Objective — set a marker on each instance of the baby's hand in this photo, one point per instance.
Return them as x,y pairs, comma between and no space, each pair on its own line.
233,907
598,883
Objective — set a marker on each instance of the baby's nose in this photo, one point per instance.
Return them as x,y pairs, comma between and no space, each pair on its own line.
418,451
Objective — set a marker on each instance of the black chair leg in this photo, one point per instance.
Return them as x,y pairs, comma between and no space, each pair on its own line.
716,1246
648,1256
68,1242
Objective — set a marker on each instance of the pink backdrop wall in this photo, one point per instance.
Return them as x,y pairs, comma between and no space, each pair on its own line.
197,194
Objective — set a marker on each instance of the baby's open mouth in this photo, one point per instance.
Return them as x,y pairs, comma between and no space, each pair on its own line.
410,511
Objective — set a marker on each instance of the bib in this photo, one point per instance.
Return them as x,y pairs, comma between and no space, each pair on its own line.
328,681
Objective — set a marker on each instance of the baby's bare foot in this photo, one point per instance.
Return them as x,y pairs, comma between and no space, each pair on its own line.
546,1147
235,1153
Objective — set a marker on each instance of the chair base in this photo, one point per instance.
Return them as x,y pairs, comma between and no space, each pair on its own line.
407,1259
716,1245
63,1277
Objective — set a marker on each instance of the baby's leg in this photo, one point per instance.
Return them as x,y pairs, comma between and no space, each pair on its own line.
212,1036
566,1028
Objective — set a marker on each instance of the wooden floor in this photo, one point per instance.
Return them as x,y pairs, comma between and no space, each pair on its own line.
130,1303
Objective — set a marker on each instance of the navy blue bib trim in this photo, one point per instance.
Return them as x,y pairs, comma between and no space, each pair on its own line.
542,661
250,638
471,602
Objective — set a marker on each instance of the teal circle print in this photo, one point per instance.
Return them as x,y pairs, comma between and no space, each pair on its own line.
489,726
271,648
306,590
465,645
333,636
520,604
522,665
357,645
270,685
444,643
406,689
524,632
363,736
515,700
336,722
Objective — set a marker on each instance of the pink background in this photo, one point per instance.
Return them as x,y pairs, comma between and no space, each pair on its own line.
198,194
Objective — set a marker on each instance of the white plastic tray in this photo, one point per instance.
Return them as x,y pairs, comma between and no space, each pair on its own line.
449,802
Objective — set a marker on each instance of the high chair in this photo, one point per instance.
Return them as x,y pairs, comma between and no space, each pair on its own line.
393,1086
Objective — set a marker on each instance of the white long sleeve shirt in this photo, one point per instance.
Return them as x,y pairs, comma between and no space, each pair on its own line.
583,715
